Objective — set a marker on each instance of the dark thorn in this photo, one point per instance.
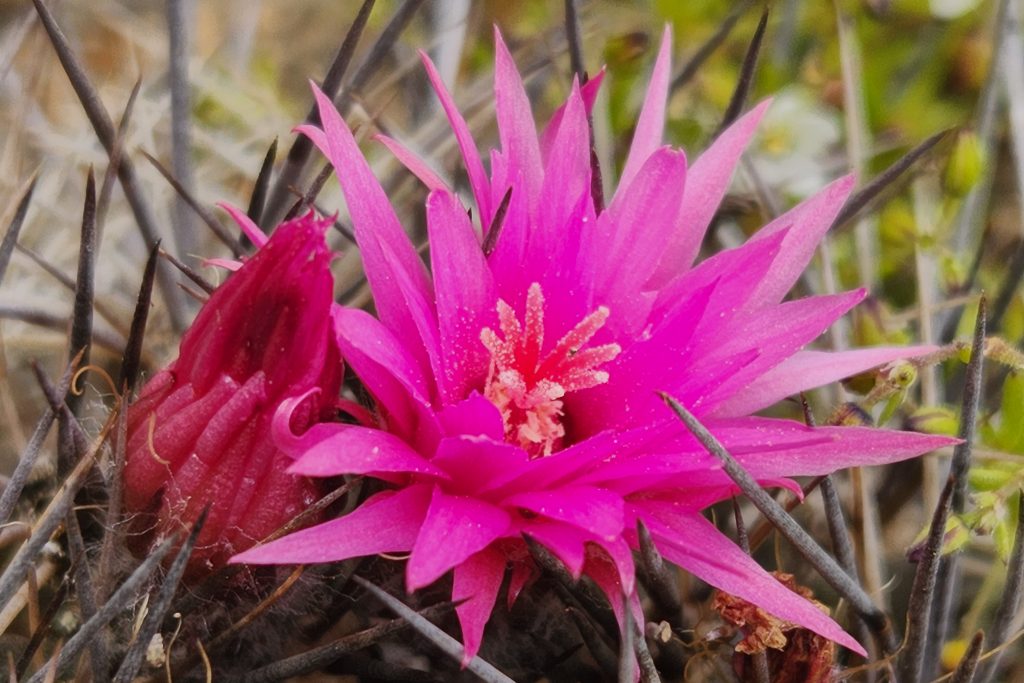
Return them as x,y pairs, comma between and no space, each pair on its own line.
428,630
104,128
594,605
190,273
181,119
11,493
308,199
261,186
759,659
114,162
315,659
298,155
690,69
344,229
964,672
662,584
911,658
1009,606
574,39
747,71
115,606
11,236
131,360
497,223
794,533
596,176
201,211
158,607
85,287
884,180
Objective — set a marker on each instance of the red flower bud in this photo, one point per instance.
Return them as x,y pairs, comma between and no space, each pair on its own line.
199,433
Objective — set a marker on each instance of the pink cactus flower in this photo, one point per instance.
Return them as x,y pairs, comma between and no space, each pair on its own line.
516,382
199,433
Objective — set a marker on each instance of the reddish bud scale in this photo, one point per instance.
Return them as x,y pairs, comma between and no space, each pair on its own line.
199,433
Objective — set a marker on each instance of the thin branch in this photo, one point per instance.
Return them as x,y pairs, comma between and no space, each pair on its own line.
965,670
787,526
201,211
884,180
690,69
747,71
258,199
131,360
11,236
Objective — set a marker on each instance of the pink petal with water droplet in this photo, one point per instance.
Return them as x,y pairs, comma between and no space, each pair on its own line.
596,510
807,370
650,126
386,523
455,527
477,581
693,543
414,163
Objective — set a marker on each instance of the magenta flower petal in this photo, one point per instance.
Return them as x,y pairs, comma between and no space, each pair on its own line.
593,509
477,581
478,465
470,155
695,544
708,179
454,529
588,91
519,145
805,225
473,416
465,292
246,224
416,165
567,181
564,540
396,275
650,126
807,370
332,449
389,522
622,261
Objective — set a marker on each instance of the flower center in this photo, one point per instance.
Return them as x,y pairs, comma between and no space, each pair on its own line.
527,388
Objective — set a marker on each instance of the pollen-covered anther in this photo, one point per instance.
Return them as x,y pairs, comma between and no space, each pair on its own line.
528,389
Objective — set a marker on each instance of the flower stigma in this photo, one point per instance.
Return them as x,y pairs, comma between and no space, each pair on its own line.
528,389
